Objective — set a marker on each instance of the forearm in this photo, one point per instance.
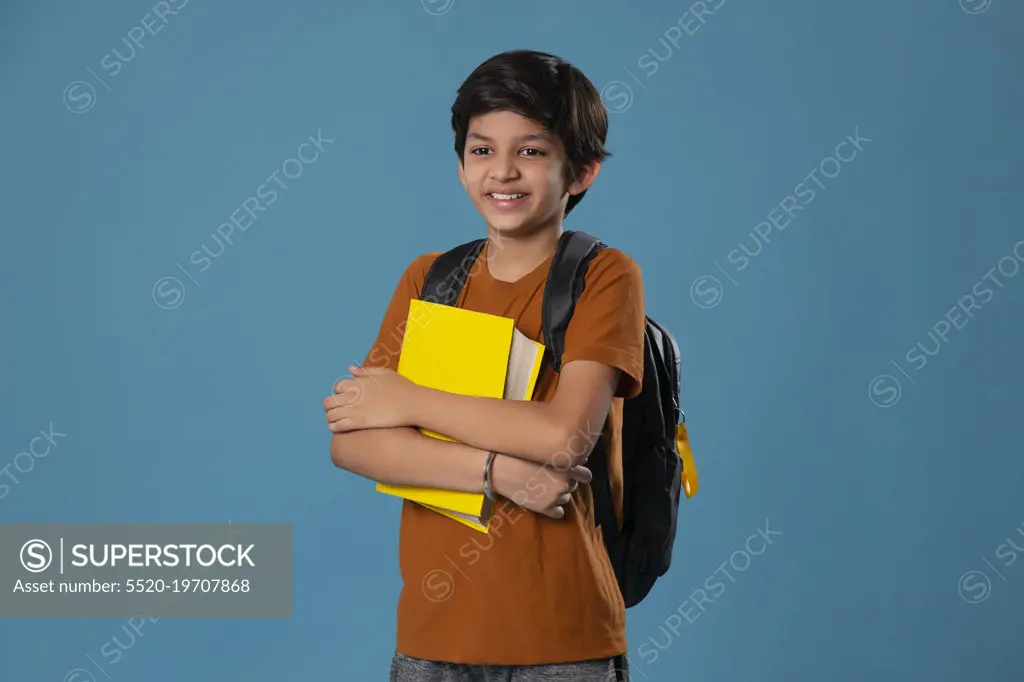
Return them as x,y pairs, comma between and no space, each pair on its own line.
404,456
527,429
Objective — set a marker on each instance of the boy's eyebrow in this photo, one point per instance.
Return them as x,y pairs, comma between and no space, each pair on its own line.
530,137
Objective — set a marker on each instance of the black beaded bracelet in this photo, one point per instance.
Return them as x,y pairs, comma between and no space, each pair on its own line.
487,475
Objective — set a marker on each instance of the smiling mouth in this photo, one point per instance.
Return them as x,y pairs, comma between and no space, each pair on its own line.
510,201
507,197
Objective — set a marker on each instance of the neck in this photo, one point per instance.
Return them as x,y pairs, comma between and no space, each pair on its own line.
509,257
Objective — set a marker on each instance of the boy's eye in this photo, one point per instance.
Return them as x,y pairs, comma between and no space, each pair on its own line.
528,151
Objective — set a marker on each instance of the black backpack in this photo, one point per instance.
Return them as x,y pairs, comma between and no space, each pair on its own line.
652,468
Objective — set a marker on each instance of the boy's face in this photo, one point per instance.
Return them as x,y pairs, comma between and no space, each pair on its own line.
515,173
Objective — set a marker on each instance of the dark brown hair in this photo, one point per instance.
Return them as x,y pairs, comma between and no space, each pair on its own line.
544,88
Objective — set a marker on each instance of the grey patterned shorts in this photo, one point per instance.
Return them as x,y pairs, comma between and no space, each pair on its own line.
407,669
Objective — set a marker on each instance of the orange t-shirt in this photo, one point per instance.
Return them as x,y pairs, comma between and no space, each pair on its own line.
534,590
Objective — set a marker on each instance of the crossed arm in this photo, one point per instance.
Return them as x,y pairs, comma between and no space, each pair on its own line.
373,416
531,430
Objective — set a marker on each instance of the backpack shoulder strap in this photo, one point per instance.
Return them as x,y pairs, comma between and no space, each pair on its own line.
449,271
667,349
565,283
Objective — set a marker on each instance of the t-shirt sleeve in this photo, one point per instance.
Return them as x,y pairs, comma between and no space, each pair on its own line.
608,323
387,348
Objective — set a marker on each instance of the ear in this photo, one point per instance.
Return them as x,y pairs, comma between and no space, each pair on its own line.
585,179
462,175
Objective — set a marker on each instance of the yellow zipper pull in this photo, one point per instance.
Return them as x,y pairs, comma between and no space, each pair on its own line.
689,477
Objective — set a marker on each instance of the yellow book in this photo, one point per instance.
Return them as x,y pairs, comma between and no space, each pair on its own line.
470,353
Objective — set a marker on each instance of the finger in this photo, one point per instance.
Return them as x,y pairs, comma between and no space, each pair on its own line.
554,512
349,385
335,414
582,474
345,397
563,499
573,484
343,424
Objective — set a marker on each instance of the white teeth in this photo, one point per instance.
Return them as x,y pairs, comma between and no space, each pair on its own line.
506,197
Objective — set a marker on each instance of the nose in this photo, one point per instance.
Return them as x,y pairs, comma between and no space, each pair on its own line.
505,167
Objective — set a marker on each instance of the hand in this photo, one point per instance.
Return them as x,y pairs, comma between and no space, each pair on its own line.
540,488
374,398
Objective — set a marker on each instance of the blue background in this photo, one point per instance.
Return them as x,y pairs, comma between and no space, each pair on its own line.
210,410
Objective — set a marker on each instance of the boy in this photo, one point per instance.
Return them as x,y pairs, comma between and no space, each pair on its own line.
536,598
